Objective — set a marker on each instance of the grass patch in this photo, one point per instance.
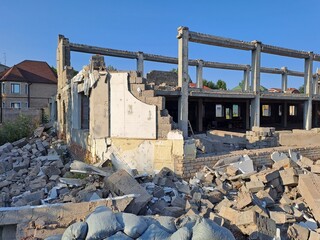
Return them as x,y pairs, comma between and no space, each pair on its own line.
22,126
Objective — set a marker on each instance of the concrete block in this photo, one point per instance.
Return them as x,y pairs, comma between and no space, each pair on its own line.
243,199
289,177
255,186
268,175
309,189
231,170
306,161
148,93
296,231
281,217
284,163
314,235
121,183
256,225
315,169
229,214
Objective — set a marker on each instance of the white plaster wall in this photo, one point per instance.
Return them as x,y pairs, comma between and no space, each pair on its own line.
130,118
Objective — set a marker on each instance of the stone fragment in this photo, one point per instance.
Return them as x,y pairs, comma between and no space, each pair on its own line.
315,169
256,226
231,170
296,231
173,211
276,156
284,163
281,217
255,186
295,156
244,199
38,132
20,143
289,177
306,161
51,170
122,183
229,214
309,189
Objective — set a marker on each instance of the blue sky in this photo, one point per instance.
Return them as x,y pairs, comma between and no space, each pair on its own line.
30,31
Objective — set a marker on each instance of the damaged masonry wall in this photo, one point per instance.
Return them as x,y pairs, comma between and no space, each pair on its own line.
99,109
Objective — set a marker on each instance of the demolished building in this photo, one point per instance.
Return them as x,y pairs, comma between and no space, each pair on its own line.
133,117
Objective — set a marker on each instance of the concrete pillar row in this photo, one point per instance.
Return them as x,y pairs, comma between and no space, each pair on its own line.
199,74
255,85
308,77
140,64
284,79
183,79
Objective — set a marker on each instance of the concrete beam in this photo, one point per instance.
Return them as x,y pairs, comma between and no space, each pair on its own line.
199,74
183,79
255,85
283,51
220,41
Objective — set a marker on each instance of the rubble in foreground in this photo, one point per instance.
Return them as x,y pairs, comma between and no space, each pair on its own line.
272,202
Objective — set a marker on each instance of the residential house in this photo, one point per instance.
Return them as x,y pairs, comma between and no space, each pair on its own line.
29,84
3,67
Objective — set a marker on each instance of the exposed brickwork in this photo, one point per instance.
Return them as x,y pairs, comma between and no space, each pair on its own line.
260,157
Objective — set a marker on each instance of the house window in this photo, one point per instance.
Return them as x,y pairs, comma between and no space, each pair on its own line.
15,88
26,89
235,110
292,110
219,110
228,113
3,104
26,105
266,110
3,88
15,105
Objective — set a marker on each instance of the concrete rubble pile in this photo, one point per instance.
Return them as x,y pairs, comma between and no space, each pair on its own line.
35,171
277,201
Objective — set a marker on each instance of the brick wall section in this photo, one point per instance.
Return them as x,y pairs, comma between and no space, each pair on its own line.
159,77
187,169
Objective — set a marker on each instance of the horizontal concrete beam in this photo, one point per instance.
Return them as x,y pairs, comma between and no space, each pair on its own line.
284,51
220,41
102,51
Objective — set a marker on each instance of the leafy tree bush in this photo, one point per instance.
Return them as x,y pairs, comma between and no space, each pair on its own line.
12,131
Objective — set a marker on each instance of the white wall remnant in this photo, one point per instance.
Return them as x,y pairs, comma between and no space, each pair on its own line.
130,117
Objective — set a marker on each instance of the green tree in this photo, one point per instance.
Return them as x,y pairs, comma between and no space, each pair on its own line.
241,84
221,84
111,68
175,70
209,84
301,89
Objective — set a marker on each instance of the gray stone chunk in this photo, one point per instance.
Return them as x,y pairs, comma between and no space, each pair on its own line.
122,183
276,156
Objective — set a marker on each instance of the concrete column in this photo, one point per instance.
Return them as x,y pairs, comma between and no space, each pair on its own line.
76,107
307,118
316,84
247,114
140,63
200,115
285,114
316,117
246,78
199,74
255,85
183,79
284,79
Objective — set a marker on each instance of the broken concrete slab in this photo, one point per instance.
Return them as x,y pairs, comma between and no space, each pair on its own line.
122,183
309,188
81,167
